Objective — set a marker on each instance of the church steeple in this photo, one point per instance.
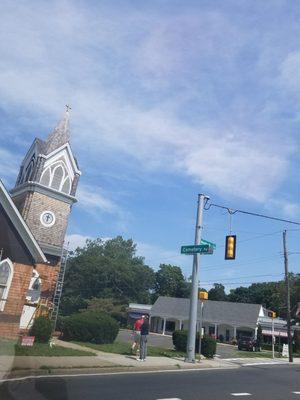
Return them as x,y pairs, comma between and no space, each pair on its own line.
60,135
46,187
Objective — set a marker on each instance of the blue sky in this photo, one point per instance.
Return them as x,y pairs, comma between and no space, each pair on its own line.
169,99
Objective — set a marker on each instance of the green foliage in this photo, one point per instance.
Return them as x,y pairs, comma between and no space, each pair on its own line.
72,304
106,269
90,326
208,344
217,292
171,282
41,329
110,306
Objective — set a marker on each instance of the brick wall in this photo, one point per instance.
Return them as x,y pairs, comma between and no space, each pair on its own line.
36,204
48,275
10,316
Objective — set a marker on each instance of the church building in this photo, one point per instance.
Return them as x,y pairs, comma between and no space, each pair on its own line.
33,219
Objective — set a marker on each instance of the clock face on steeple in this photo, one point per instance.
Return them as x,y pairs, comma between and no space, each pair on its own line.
47,218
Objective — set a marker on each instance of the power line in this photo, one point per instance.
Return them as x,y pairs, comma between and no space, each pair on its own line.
220,280
232,212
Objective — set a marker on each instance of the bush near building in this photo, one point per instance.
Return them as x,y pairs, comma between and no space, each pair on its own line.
90,326
208,344
41,329
296,341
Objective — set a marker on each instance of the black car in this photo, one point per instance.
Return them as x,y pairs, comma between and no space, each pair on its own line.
247,343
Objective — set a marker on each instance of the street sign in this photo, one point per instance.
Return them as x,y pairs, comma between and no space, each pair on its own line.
201,249
213,245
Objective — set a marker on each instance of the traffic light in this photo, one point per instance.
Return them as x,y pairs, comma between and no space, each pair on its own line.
230,247
202,295
271,314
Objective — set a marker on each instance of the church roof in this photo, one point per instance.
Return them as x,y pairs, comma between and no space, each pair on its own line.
20,225
60,135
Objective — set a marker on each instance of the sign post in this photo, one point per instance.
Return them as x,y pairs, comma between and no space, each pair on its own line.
190,356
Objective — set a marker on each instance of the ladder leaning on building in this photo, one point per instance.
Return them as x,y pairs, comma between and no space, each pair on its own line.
59,287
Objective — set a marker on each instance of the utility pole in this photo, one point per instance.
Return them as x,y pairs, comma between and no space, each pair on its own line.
190,357
288,298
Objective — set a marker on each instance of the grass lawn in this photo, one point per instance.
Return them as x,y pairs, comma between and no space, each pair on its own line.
125,349
12,348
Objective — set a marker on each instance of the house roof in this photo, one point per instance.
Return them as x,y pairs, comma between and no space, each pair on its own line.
221,312
20,225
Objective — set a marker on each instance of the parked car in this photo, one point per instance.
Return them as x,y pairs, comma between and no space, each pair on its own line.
247,343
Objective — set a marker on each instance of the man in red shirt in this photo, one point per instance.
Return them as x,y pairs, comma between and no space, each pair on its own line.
137,333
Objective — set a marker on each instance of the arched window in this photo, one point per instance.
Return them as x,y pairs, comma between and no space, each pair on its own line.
6,274
57,177
45,179
29,169
66,188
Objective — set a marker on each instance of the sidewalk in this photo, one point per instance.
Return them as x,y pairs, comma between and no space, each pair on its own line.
102,362
11,366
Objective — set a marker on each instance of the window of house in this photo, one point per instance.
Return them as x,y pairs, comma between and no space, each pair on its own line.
6,273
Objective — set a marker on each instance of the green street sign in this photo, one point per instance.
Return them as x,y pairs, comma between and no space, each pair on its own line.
201,249
213,245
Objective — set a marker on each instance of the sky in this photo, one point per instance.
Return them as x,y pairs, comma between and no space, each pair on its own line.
169,99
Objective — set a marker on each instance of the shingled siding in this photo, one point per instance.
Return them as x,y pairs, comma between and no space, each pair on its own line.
10,316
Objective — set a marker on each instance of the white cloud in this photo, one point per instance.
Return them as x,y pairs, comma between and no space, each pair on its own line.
285,208
92,199
62,52
290,71
76,240
155,255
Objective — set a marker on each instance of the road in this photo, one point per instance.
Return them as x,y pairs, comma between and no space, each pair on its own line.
165,341
260,382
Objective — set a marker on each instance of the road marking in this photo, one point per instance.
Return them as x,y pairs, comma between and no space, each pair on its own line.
241,394
265,363
170,398
296,392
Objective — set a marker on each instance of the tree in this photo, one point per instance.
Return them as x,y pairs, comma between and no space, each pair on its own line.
107,269
217,292
171,282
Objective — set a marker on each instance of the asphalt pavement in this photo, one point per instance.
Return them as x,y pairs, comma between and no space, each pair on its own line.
165,341
258,382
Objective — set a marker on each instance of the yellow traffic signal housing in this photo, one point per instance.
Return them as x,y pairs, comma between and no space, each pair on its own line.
230,247
271,314
202,295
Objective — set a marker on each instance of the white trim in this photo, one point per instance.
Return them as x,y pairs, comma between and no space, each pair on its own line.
66,147
20,225
42,220
8,283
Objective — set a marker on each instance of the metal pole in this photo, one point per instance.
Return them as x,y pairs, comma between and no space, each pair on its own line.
273,347
288,298
190,356
200,328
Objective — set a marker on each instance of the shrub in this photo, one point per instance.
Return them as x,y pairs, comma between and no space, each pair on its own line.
90,326
208,344
41,329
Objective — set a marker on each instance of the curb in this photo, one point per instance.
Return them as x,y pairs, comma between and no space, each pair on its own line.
72,372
